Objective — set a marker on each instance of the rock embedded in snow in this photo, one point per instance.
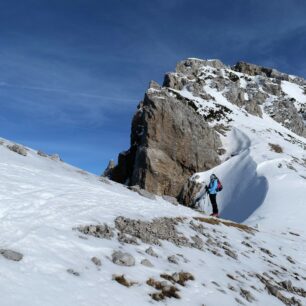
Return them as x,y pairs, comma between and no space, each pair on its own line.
104,180
99,231
198,243
73,272
123,259
151,252
41,153
147,263
96,261
173,259
121,279
55,157
18,149
170,199
143,192
123,238
164,290
179,277
11,255
247,295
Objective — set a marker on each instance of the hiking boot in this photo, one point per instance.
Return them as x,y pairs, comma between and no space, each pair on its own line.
216,215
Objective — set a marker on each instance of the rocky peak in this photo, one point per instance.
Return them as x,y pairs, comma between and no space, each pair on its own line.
192,66
176,129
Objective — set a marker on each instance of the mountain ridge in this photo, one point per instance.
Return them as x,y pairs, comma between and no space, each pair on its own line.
168,148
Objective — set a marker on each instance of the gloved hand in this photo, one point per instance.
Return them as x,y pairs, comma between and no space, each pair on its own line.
206,188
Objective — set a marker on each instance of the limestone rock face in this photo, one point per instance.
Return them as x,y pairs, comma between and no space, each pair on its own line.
169,142
284,111
252,69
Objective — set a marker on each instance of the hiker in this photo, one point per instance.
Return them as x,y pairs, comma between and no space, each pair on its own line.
212,190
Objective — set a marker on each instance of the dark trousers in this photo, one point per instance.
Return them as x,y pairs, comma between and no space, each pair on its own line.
213,201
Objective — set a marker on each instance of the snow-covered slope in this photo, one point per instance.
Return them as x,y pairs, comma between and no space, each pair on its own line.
264,167
44,201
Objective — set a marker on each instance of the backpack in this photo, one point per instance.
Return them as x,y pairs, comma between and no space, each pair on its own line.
219,187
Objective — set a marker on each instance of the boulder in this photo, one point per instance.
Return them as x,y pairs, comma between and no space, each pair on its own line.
96,261
123,259
147,263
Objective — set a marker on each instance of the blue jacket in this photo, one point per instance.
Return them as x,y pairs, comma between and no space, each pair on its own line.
212,187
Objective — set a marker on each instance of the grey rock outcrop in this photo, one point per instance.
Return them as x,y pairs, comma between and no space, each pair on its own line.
169,142
284,112
252,69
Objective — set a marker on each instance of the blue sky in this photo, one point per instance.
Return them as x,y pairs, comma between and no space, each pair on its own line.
73,71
